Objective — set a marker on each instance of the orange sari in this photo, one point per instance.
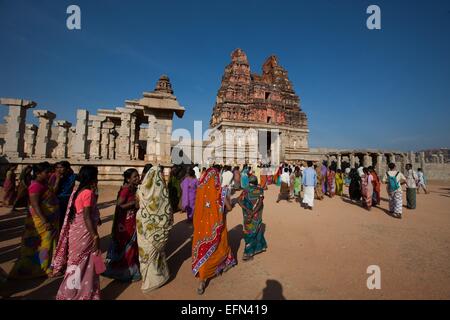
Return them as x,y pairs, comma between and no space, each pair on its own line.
211,253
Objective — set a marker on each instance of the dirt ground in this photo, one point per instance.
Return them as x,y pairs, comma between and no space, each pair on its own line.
319,254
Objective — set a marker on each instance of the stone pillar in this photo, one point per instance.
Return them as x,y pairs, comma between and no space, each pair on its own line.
112,144
125,134
44,133
441,158
63,138
422,160
412,157
367,160
15,126
30,140
352,160
133,138
380,165
79,141
339,161
166,141
96,132
104,143
150,153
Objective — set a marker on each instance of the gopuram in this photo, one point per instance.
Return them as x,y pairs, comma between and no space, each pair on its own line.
132,135
266,105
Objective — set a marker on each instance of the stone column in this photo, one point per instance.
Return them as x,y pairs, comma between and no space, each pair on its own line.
380,163
441,158
412,157
422,160
133,138
112,144
79,141
166,131
403,161
125,134
30,140
94,152
367,161
339,161
63,138
150,153
15,126
352,160
104,143
44,133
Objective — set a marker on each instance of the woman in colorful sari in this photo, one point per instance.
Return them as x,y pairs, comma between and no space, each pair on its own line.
319,184
174,186
331,182
188,192
354,188
244,177
263,181
270,172
9,186
277,175
251,202
78,248
41,227
22,189
211,253
339,182
154,220
367,189
376,182
297,182
122,260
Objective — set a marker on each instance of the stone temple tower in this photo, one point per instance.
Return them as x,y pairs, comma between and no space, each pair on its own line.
263,102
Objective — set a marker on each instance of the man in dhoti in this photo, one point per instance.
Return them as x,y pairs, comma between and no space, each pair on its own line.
309,181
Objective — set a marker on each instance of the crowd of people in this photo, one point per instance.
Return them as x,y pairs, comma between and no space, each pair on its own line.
61,227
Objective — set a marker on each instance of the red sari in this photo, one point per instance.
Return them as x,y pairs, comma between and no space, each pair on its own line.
211,253
122,260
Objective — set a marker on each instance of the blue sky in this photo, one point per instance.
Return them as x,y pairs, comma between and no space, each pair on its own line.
386,88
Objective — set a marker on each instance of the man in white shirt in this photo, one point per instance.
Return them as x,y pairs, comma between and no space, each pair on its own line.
227,177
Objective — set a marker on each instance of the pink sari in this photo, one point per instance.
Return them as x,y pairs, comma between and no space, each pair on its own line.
74,253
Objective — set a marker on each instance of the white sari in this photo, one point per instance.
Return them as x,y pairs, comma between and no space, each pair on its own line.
154,220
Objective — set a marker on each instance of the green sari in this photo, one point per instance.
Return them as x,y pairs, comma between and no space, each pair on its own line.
251,201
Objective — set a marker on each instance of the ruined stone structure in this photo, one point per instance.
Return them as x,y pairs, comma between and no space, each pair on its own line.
113,139
264,103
